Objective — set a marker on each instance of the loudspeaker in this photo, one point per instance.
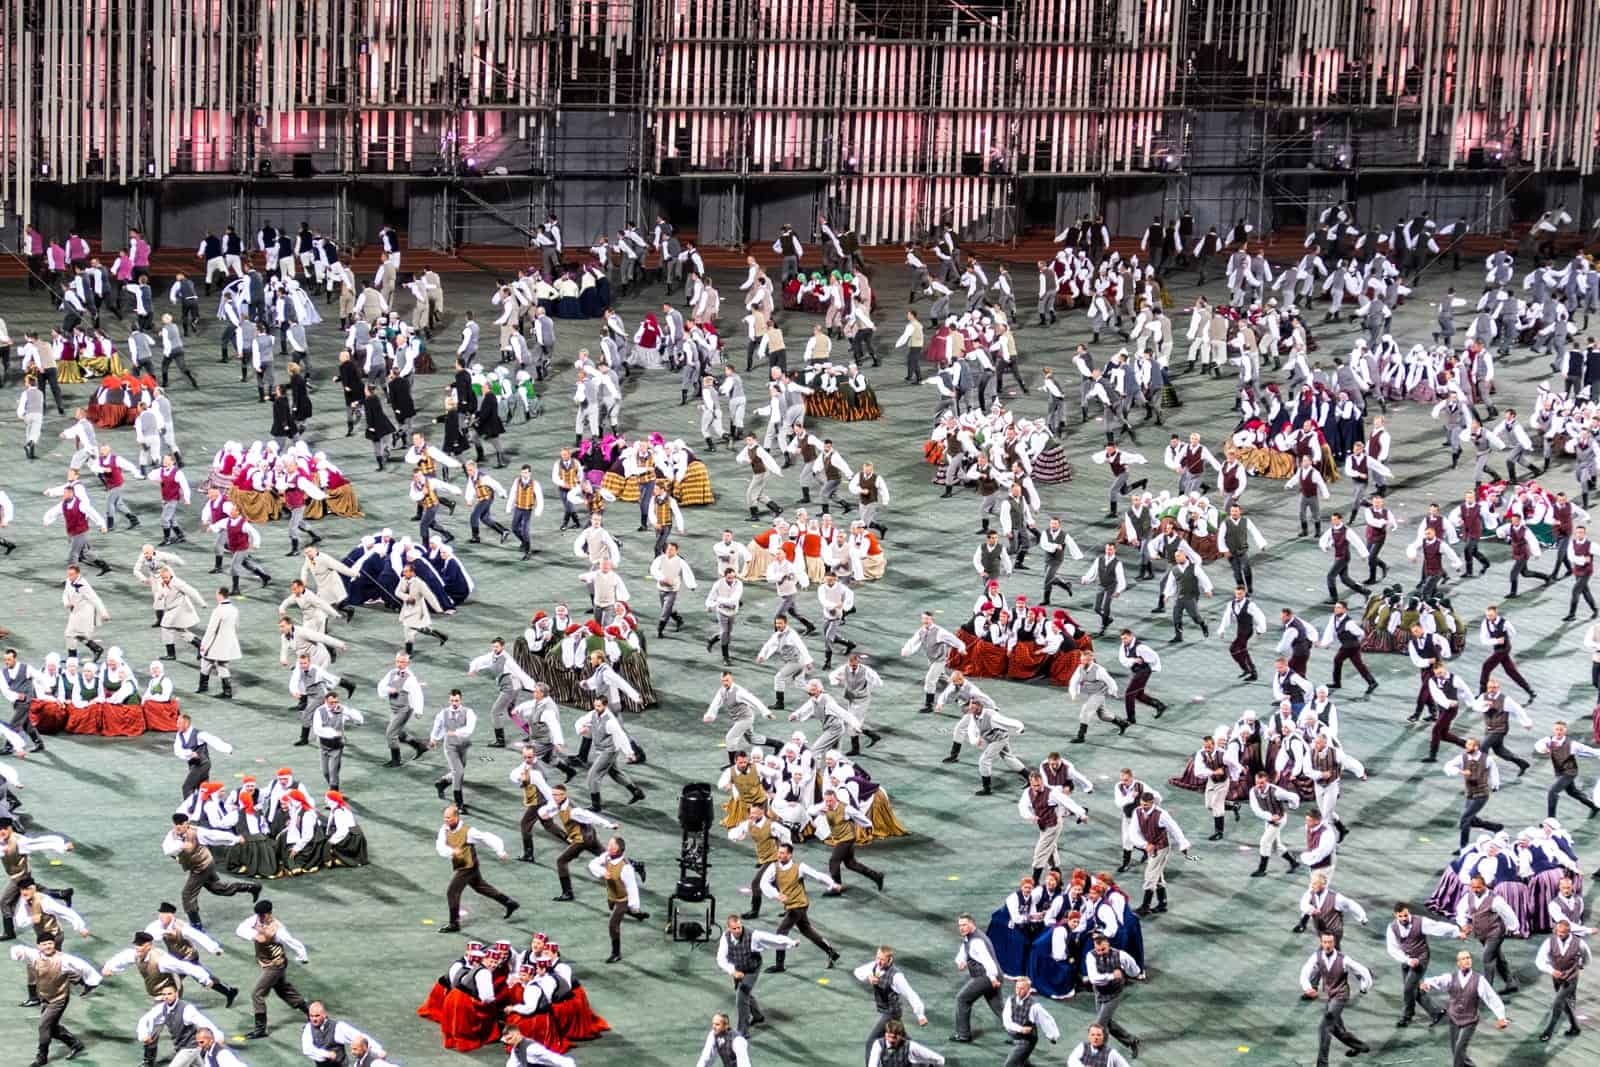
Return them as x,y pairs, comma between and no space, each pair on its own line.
971,164
302,165
671,166
1041,155
694,807
1477,158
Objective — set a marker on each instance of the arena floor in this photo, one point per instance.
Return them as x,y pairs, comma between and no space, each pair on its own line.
1224,960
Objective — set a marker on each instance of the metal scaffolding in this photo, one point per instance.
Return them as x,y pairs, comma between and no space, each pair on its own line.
889,114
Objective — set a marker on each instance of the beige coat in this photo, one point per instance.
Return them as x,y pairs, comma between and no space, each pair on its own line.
85,611
326,575
177,603
221,642
416,601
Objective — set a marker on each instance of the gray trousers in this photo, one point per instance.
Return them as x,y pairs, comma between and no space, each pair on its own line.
972,991
455,758
1332,1026
603,764
1562,1005
1000,750
1310,510
1461,1037
502,705
742,735
789,674
395,732
332,762
1105,1010
833,731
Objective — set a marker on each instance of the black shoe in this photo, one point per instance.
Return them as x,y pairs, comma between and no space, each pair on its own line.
615,957
31,1002
450,928
512,906
563,898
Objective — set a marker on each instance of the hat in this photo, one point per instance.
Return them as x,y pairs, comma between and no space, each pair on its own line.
166,908
284,772
263,907
142,938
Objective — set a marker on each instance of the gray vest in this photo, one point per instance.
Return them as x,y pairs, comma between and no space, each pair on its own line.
884,996
1463,1006
1331,977
181,1032
975,968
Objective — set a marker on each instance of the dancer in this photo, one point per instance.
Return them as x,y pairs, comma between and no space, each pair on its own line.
739,957
271,940
458,843
1406,941
621,877
785,881
1467,993
1327,974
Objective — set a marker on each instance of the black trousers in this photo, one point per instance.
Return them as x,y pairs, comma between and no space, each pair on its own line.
470,878
1135,690
199,771
1460,1038
1580,589
798,919
1243,573
1562,1005
1341,572
1494,962
755,888
1470,819
1519,568
571,853
844,855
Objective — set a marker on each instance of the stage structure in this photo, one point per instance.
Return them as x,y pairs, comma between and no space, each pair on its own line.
888,115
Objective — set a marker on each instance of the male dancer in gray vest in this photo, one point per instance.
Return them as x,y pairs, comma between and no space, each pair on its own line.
328,723
739,957
1562,956
452,728
891,993
1406,941
1467,992
1487,917
403,691
511,681
934,643
1109,970
1327,973
976,958
1564,753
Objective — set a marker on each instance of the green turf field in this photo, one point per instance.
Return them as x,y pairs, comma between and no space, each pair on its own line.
1224,960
